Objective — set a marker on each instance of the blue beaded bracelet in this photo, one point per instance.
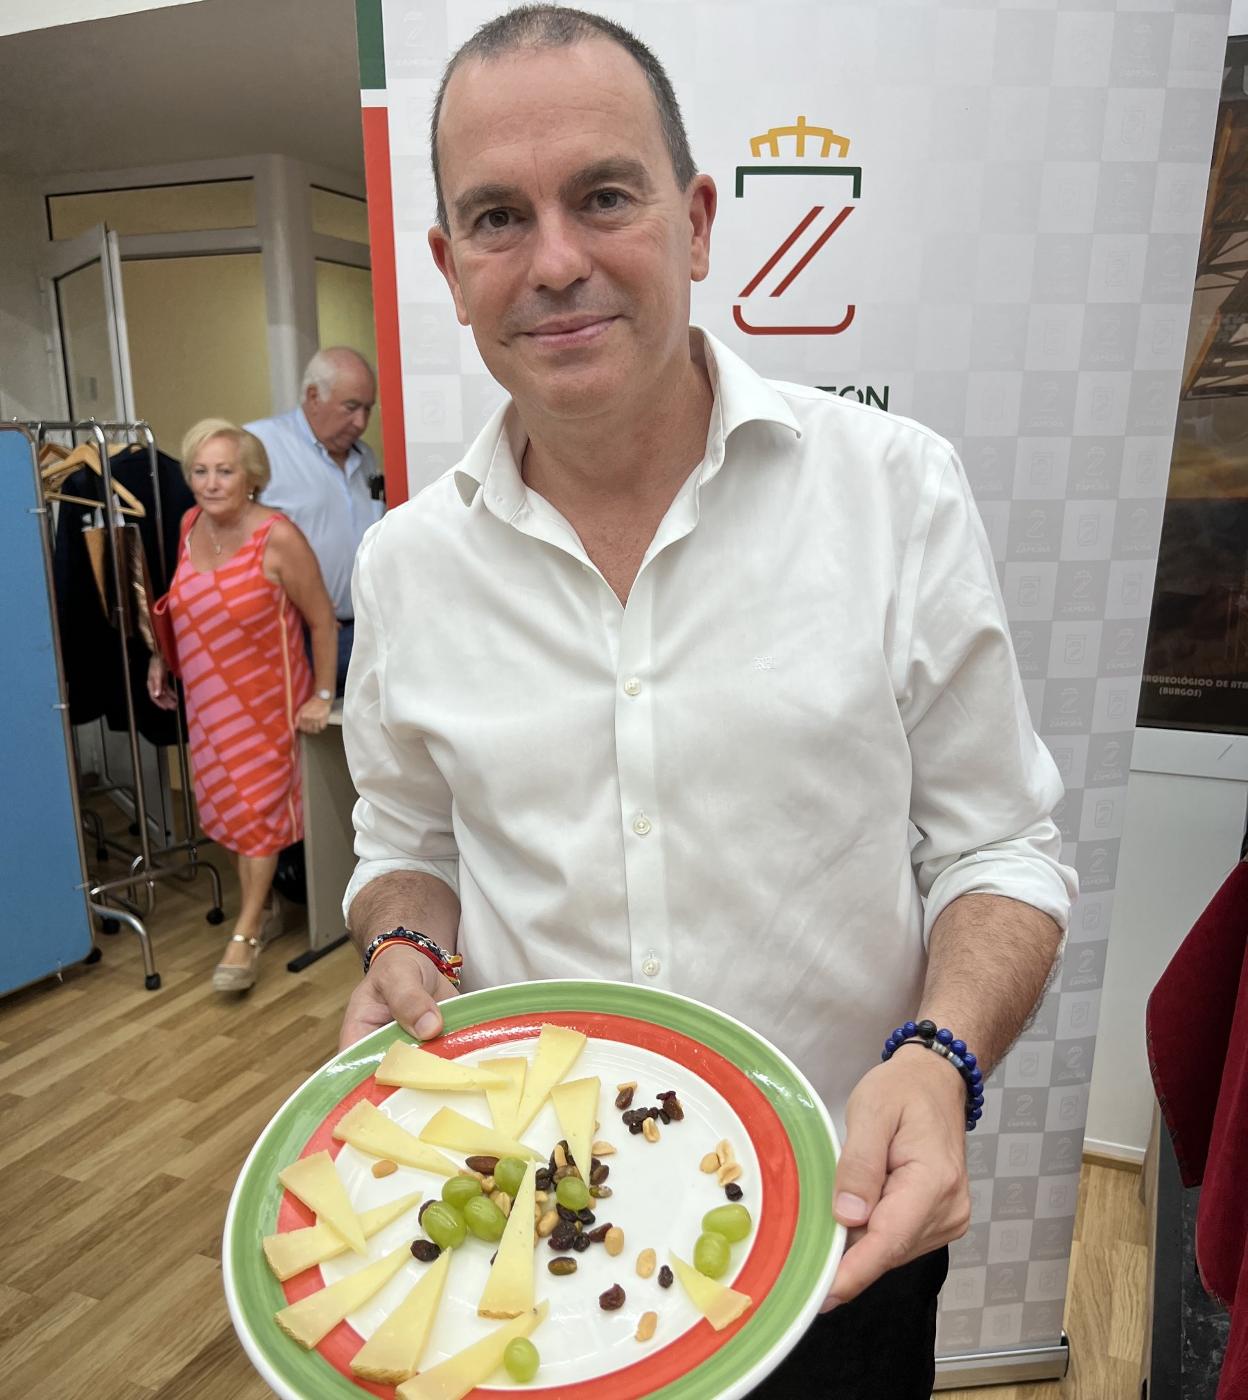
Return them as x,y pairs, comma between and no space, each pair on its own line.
942,1041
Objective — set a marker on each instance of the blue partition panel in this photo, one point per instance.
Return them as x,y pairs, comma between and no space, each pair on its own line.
44,921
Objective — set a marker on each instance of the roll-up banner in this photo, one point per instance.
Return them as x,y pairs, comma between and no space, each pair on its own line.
986,217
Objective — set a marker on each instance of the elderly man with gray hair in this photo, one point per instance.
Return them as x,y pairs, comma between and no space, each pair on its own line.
322,472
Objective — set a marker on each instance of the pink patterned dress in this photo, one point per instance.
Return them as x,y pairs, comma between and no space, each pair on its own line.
245,674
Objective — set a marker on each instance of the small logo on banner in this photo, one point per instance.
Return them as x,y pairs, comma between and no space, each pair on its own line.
784,264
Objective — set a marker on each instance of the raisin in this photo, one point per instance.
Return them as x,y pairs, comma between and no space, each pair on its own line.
733,1191
425,1251
624,1098
665,1277
562,1235
634,1128
581,1244
420,1214
565,1213
586,1216
597,1235
664,1117
674,1110
613,1298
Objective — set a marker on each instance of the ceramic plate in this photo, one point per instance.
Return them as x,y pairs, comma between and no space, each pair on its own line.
731,1083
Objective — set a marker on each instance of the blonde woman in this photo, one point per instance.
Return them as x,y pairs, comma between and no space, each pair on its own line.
245,583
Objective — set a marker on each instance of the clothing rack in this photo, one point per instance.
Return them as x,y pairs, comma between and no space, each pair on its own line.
151,863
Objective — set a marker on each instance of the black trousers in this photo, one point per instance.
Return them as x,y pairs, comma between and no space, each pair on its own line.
882,1346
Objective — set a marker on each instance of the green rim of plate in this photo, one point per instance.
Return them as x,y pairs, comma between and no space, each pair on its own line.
258,1195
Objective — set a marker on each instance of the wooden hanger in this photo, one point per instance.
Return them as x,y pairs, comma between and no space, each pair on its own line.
87,456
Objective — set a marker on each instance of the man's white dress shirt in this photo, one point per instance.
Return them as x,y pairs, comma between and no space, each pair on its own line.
760,781
332,505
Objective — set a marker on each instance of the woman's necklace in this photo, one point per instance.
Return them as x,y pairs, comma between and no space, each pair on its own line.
217,543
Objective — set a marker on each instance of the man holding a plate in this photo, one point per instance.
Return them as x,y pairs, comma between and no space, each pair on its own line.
692,679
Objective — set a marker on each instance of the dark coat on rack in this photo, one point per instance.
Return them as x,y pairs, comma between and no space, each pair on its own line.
89,644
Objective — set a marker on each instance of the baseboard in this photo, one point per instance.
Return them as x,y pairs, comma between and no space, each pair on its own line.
1118,1155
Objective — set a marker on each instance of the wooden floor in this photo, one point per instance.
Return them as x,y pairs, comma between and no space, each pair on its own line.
128,1113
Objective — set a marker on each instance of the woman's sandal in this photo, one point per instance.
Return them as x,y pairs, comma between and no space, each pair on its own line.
241,977
238,977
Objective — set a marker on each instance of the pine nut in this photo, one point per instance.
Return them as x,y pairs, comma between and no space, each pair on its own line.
385,1167
614,1241
645,1263
646,1325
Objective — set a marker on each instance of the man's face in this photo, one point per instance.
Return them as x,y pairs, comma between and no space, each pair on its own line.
571,246
341,416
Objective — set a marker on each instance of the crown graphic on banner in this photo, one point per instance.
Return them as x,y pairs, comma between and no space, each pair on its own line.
800,131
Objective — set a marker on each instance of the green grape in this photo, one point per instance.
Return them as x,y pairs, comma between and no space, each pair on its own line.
572,1193
521,1359
733,1222
710,1254
457,1191
509,1174
444,1225
484,1219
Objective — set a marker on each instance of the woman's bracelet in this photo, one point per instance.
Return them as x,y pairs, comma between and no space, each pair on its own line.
924,1033
448,964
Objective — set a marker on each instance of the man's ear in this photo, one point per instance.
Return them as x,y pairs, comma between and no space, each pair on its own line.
703,201
444,260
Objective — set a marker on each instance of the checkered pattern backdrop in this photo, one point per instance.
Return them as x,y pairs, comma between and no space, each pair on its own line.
1025,185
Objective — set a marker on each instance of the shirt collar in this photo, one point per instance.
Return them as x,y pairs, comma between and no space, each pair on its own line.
741,396
304,429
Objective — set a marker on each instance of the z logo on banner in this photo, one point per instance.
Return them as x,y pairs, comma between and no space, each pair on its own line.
800,247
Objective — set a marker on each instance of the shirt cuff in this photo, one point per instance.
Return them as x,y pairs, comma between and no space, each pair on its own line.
366,871
1025,875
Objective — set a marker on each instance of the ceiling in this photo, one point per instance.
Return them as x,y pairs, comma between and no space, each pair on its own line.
191,82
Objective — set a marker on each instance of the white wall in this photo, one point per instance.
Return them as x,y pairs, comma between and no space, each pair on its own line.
1180,841
1239,17
17,16
26,384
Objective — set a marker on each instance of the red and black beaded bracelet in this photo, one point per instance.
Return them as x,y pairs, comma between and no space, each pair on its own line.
448,964
943,1042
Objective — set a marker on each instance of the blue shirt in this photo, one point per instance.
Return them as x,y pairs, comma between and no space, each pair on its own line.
332,505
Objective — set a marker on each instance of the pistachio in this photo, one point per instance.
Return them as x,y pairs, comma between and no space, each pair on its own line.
562,1265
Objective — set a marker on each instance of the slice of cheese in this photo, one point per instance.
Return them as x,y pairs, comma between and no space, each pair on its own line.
504,1102
316,1182
719,1304
311,1318
508,1291
414,1068
453,1378
393,1352
449,1128
365,1126
295,1250
576,1103
557,1049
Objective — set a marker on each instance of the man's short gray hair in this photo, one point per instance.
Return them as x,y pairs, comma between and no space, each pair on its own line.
326,365
554,27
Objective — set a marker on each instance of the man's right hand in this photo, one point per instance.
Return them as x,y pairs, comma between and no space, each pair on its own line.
403,986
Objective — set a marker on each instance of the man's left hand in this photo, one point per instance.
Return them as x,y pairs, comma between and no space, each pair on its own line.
901,1183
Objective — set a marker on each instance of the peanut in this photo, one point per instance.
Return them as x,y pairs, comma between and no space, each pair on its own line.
560,1156
730,1171
602,1149
709,1163
547,1223
487,1185
503,1201
650,1130
628,1084
646,1325
646,1262
726,1154
540,1196
385,1167
614,1241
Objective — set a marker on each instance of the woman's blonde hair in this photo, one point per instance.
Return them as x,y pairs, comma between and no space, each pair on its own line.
252,457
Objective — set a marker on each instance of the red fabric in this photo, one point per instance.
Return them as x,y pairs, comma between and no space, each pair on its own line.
1197,1025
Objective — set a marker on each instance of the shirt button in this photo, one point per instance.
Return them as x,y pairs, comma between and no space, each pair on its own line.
632,686
650,966
641,825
